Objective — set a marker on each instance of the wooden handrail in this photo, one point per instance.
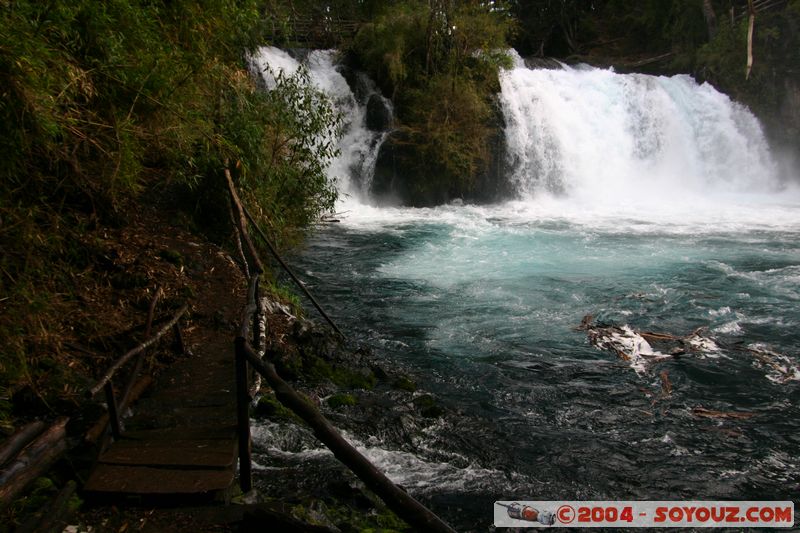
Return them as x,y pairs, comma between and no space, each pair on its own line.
130,354
404,505
291,273
399,501
241,222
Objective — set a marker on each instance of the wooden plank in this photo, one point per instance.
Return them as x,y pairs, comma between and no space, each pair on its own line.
202,433
149,480
193,453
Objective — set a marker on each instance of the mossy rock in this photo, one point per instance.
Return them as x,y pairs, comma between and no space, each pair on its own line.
354,379
404,383
316,368
341,399
268,406
427,406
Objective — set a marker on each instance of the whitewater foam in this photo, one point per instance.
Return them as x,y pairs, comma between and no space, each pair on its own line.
353,168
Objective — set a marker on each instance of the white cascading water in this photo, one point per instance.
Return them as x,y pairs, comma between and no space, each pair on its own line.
354,167
592,133
587,145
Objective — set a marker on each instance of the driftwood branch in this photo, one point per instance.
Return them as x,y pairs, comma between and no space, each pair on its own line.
649,60
16,442
291,273
726,415
34,461
399,501
135,351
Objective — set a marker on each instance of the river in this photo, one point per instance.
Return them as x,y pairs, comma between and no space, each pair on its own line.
652,204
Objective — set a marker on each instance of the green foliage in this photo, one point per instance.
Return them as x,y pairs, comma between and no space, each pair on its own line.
108,103
439,60
724,58
385,46
290,133
285,295
448,122
341,399
776,40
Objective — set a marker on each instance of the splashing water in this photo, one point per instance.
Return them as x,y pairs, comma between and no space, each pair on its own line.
595,134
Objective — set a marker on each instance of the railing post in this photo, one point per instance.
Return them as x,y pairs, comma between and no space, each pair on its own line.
180,345
113,415
243,418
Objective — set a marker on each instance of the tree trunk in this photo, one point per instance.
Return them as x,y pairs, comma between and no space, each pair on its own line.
711,19
16,442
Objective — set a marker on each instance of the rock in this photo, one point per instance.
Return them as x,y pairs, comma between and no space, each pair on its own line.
380,116
404,173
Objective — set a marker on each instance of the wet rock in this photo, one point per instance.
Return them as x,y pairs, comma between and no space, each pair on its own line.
380,116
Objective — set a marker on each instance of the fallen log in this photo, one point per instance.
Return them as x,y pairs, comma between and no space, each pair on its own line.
35,460
781,369
635,346
399,501
21,438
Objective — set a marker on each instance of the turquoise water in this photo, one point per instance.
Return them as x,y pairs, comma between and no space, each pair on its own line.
481,305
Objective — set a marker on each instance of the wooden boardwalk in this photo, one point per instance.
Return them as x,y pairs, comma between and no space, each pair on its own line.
181,439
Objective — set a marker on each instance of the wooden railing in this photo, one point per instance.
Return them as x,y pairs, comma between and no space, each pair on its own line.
246,348
105,383
321,32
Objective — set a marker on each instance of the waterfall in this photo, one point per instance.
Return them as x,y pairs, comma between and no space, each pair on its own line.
580,133
354,167
596,134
